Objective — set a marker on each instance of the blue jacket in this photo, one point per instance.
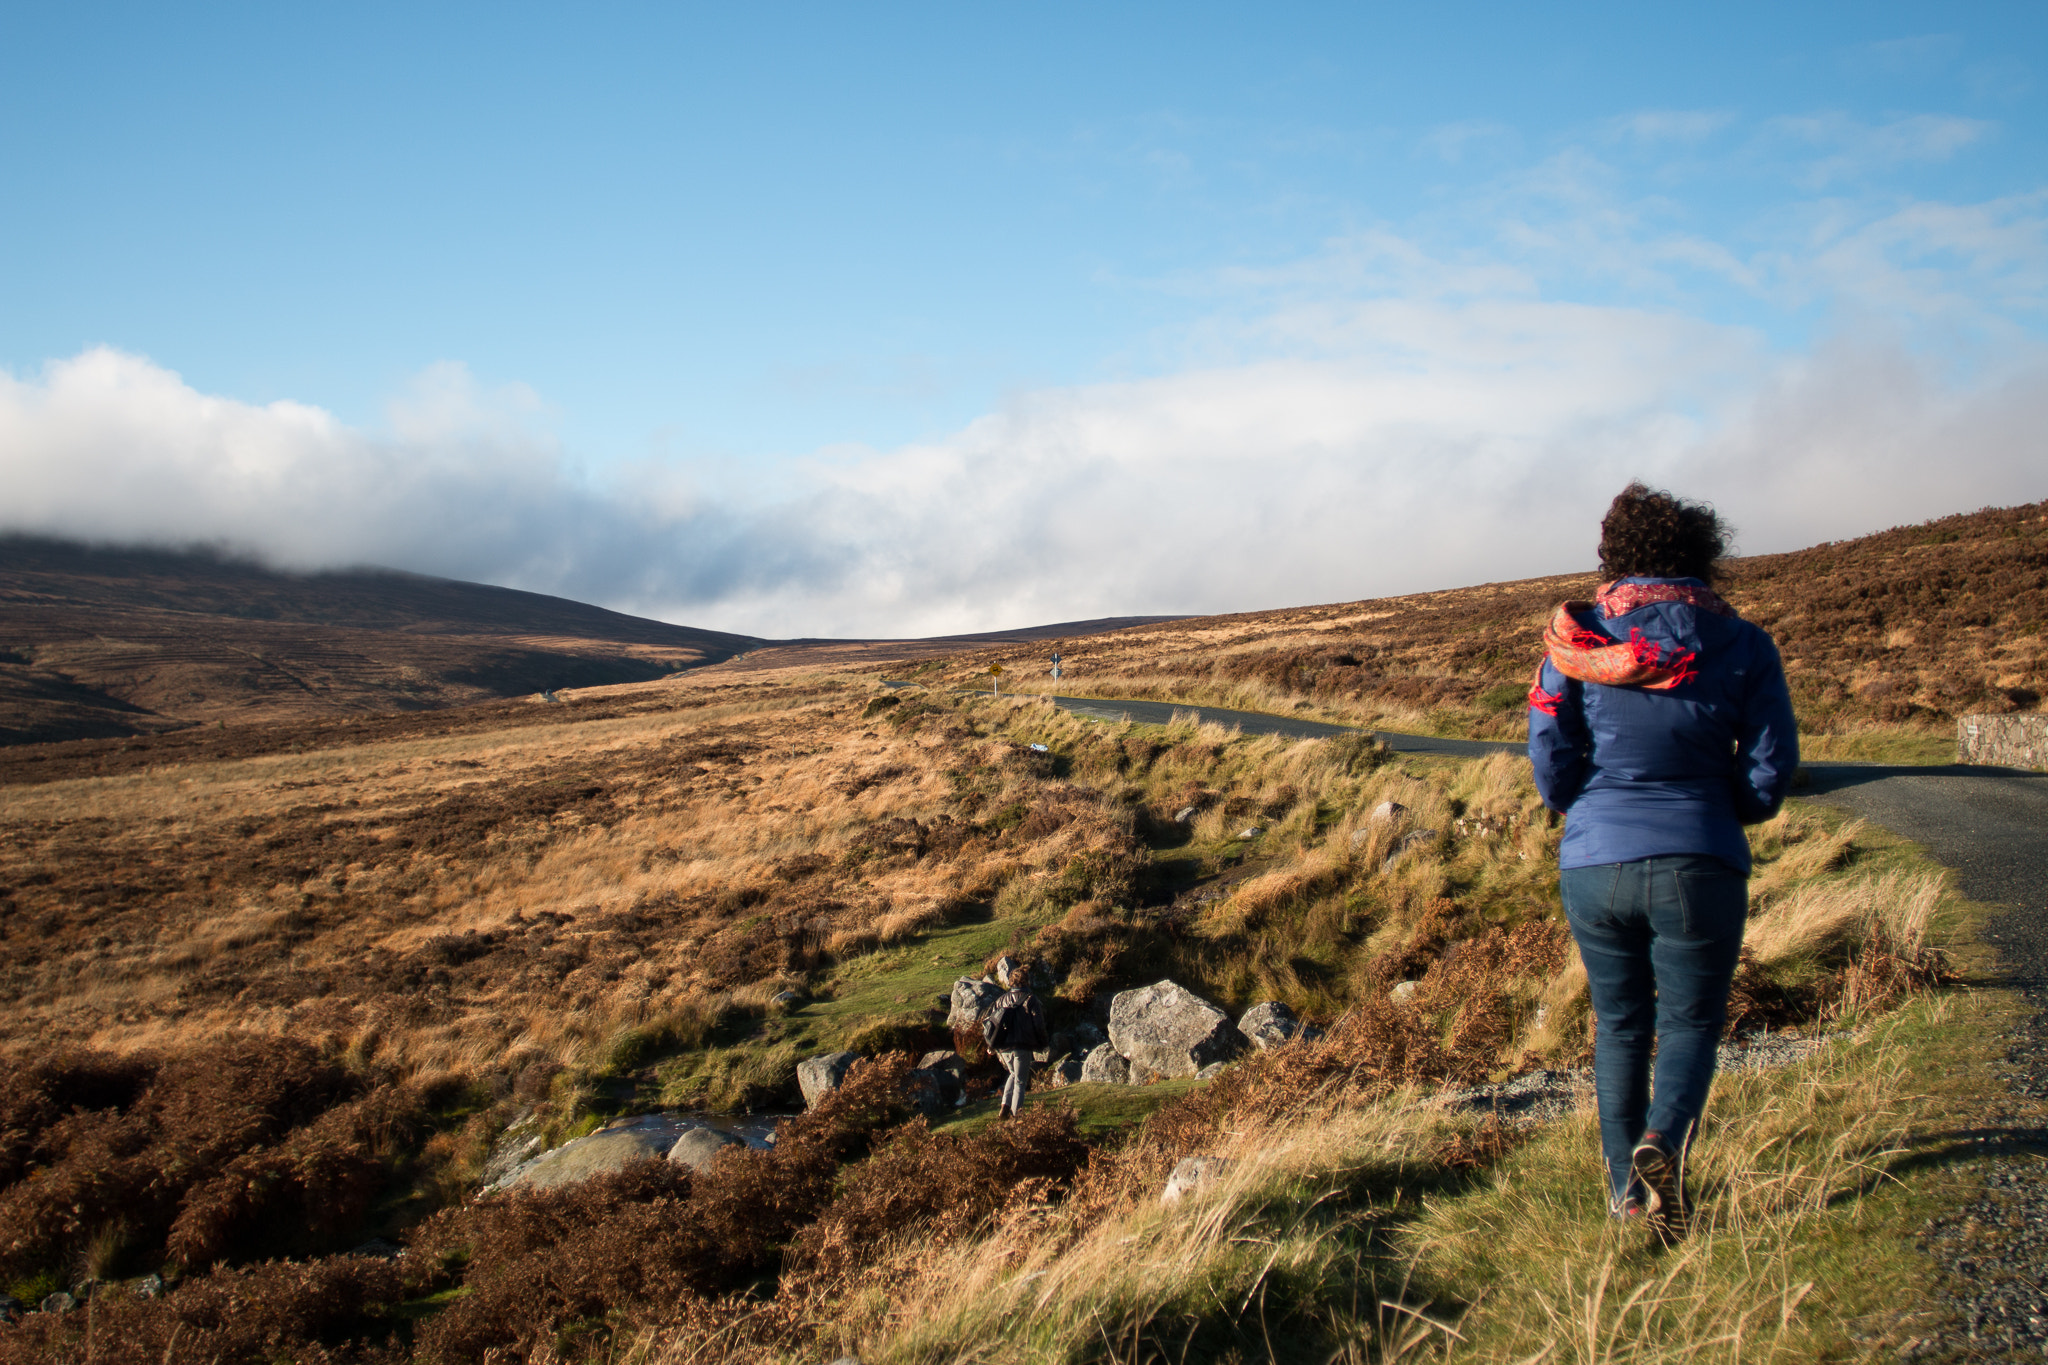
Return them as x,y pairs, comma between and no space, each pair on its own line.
1642,774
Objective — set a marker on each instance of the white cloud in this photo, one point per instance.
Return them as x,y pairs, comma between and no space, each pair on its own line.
1384,415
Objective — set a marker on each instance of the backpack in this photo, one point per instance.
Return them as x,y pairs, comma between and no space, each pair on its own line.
1001,1024
1012,1025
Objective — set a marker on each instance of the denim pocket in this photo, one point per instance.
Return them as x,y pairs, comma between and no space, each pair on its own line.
1712,905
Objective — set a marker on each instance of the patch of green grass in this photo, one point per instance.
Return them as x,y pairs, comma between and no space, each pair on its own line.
871,1003
1103,1110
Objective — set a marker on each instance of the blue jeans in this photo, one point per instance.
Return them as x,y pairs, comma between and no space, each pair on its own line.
1659,939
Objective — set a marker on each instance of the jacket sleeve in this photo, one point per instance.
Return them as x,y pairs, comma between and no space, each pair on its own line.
1560,749
1767,752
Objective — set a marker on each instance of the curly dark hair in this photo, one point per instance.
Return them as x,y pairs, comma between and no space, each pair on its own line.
1647,533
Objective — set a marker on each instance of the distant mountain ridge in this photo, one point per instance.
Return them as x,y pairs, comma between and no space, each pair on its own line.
97,642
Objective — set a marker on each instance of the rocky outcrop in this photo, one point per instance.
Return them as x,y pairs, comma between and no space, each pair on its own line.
1006,968
697,1147
819,1076
1104,1067
1191,1175
1167,1031
1075,1041
972,998
1065,1071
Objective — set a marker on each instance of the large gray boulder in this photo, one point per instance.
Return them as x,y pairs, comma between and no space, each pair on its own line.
819,1076
696,1147
972,998
609,1149
1168,1031
1104,1067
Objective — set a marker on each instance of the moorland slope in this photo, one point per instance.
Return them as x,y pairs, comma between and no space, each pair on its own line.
102,642
1897,632
266,990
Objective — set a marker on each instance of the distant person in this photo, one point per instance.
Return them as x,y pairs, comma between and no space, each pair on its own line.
1014,1028
1660,724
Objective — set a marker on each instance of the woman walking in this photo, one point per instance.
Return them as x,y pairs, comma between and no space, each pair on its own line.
1660,725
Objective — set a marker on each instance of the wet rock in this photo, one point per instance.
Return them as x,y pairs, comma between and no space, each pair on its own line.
1104,1067
1167,1030
149,1286
696,1147
819,1076
1191,1175
972,998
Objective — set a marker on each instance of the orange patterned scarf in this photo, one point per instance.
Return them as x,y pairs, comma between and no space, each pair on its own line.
1589,656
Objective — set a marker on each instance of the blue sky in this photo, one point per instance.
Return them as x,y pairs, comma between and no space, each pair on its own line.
826,319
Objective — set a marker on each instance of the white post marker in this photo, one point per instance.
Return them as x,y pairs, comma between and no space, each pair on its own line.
1055,665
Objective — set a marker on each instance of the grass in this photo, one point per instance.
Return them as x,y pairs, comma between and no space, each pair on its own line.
1346,1235
1104,1111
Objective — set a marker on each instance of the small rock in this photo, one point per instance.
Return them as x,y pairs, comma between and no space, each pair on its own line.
819,1076
1192,1173
376,1247
59,1302
1065,1071
948,1073
1006,967
1413,839
786,1000
1211,1071
696,1147
149,1286
1387,813
1184,816
1250,832
1104,1066
1268,1024
1403,991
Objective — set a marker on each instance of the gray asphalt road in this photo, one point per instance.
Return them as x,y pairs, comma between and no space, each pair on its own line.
1988,824
1259,723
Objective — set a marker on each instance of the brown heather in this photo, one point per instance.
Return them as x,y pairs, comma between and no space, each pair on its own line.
271,990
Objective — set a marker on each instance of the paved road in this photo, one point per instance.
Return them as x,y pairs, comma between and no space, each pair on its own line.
1259,723
1988,824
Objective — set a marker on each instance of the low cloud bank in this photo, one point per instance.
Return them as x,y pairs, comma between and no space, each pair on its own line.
1446,444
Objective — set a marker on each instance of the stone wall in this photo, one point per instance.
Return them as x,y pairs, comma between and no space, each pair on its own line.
2018,741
